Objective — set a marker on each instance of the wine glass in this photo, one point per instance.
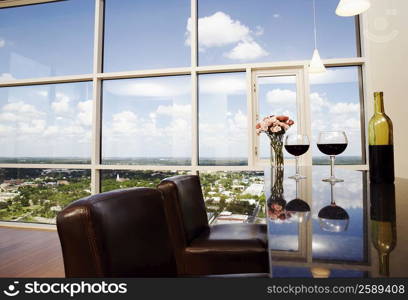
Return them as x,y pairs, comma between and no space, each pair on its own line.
333,218
298,208
297,144
332,143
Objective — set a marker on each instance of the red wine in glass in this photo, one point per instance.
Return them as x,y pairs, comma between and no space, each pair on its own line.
332,149
297,150
297,145
332,143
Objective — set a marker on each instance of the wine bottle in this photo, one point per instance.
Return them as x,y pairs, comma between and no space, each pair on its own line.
380,144
383,223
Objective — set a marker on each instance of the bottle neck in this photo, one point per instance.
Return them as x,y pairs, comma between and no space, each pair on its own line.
378,103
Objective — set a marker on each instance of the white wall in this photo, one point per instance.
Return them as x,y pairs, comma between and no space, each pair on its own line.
386,37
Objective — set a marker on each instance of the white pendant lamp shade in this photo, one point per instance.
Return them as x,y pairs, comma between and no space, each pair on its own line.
349,8
316,64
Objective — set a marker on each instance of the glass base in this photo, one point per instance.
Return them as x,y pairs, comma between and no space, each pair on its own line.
333,180
297,177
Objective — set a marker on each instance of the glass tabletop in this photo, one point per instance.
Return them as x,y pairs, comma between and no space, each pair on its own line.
347,229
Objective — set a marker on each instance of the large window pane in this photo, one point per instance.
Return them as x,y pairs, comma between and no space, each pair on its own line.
349,244
121,179
276,96
223,134
37,195
46,123
263,30
147,121
146,34
335,105
234,197
46,39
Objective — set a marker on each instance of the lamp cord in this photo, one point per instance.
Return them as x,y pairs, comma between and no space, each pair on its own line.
314,24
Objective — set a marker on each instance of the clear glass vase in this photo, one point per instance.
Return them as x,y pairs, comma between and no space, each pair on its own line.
276,150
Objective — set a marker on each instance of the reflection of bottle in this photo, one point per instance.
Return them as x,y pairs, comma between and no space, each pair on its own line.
319,272
383,223
381,148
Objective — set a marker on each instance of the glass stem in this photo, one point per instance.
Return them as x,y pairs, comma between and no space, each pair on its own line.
332,194
297,165
332,158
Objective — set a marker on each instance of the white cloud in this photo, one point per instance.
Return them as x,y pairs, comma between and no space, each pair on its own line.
42,93
318,102
337,75
6,77
246,50
19,111
73,131
147,89
85,112
231,130
281,96
259,30
175,110
61,106
5,130
2,43
51,130
33,127
218,30
222,85
124,122
344,108
276,16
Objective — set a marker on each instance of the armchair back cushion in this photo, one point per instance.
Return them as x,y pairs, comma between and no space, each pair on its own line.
122,233
187,205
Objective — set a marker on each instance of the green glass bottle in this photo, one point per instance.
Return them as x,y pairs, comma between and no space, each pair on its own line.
383,224
380,144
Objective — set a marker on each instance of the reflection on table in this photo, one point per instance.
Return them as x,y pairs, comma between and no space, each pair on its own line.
320,229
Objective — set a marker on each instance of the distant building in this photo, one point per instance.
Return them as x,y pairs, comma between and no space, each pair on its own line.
236,187
63,182
7,196
118,179
56,208
13,181
216,199
250,201
255,189
227,217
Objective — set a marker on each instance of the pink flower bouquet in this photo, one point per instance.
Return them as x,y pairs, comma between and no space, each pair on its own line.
275,127
274,124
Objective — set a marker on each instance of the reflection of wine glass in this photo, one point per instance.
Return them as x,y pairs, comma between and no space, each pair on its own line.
298,209
332,143
333,218
297,144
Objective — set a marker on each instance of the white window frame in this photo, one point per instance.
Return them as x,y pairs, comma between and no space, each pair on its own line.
302,105
97,76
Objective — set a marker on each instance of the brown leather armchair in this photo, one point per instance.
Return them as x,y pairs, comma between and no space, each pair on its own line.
121,233
201,249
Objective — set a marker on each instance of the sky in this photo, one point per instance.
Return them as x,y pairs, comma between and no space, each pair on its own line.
152,117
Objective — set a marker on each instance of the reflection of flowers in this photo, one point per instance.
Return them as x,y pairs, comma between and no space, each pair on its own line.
276,202
277,211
